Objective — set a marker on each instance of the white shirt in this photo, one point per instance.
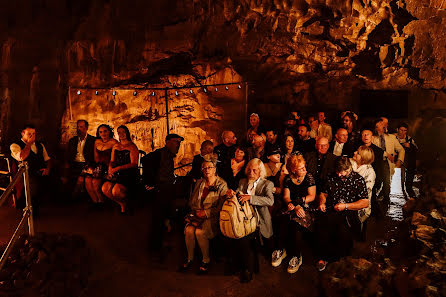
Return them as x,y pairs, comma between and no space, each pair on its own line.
16,150
337,151
252,188
367,172
80,150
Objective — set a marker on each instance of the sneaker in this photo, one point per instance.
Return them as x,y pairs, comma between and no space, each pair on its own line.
294,264
321,265
278,256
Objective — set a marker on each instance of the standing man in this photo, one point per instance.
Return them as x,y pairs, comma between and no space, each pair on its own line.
158,176
340,146
32,151
321,162
393,157
225,150
410,159
324,129
272,143
80,152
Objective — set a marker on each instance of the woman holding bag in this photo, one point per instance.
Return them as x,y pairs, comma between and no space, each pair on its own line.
202,223
299,189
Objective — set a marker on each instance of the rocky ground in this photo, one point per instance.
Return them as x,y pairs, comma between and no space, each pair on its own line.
399,258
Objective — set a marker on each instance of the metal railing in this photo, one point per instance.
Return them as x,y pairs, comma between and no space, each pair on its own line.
27,211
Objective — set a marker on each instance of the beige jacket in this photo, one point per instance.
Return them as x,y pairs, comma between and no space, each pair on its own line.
393,147
324,130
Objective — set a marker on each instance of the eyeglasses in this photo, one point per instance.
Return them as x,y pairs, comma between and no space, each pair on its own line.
301,169
206,168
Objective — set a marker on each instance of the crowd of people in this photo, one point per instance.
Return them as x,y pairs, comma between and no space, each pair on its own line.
309,183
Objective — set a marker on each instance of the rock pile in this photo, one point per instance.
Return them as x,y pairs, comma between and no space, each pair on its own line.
46,265
419,272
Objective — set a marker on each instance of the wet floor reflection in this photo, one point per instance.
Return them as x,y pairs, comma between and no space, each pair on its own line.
397,199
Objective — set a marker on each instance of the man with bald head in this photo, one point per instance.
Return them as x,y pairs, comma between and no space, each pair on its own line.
340,146
225,150
258,148
321,162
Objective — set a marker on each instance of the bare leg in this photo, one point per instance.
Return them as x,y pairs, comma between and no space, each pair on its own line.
203,242
119,193
96,186
189,234
107,189
89,188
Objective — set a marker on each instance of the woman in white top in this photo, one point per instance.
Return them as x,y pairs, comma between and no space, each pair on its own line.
361,163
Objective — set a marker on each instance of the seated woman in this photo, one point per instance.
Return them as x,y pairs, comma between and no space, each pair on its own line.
299,189
361,163
257,191
205,203
342,195
122,170
102,155
288,149
236,171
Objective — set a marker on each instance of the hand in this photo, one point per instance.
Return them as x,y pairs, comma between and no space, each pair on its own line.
45,171
243,198
339,207
111,171
149,188
322,207
291,206
299,211
390,157
229,193
398,164
200,213
32,139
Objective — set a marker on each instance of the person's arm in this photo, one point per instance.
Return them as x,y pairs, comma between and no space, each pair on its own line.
96,155
112,160
322,201
311,195
267,199
357,205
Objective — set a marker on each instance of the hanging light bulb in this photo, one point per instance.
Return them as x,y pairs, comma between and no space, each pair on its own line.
216,89
239,86
96,93
176,93
114,93
226,88
135,93
153,94
78,92
190,91
205,90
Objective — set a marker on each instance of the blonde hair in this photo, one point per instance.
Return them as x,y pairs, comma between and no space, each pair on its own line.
257,161
293,162
367,154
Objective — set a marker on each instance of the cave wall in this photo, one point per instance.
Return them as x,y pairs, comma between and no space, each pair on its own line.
300,54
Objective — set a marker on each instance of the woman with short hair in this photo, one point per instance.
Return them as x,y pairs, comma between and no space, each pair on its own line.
202,223
299,189
361,163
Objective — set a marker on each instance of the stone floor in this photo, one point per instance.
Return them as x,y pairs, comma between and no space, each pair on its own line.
120,265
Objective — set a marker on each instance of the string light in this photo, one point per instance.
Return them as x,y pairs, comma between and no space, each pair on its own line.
205,90
79,92
153,94
114,93
190,91
96,93
216,89
226,88
176,93
135,93
239,86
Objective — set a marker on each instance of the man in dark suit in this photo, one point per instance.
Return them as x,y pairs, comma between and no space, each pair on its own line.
80,152
321,162
340,146
305,144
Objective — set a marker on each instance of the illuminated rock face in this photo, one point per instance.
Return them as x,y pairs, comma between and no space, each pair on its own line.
299,53
192,113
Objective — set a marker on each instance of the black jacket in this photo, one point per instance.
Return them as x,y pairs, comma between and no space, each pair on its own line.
88,149
347,150
327,167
